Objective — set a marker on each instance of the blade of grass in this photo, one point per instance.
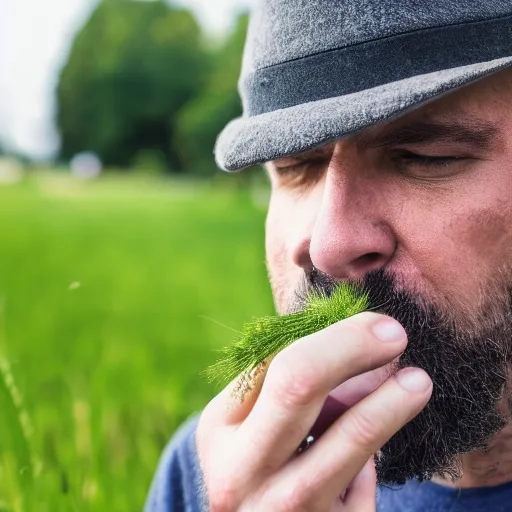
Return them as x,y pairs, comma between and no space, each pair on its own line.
16,460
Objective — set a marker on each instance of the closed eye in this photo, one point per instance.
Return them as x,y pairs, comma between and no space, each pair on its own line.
416,158
422,166
301,175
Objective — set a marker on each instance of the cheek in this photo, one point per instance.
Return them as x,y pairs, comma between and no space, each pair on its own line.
275,249
283,226
487,239
483,257
458,257
486,231
277,256
275,236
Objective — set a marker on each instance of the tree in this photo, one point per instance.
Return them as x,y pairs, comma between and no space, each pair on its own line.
200,121
130,70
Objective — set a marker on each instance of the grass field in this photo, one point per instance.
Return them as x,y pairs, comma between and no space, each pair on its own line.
104,290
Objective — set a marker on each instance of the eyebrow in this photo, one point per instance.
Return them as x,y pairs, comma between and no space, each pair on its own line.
481,135
317,152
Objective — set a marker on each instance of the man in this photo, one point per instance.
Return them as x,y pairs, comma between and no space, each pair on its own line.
386,130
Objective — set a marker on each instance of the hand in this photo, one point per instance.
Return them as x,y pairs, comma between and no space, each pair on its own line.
248,452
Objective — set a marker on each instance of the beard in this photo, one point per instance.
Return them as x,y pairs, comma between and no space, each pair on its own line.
469,369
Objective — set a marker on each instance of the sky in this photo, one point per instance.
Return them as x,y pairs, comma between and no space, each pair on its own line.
35,37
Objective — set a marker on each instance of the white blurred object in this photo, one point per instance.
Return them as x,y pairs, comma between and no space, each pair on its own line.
86,166
11,170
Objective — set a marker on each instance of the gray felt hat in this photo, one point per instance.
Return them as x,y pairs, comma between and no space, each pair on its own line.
317,70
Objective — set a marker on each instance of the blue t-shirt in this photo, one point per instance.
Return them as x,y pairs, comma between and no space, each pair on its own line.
178,487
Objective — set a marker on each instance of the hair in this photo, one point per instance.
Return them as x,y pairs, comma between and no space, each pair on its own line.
469,370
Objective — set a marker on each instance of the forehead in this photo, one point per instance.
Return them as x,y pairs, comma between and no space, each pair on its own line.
478,113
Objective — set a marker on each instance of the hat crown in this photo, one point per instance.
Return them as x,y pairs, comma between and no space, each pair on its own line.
318,70
284,30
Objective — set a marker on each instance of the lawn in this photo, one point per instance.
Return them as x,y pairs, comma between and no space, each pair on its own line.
111,298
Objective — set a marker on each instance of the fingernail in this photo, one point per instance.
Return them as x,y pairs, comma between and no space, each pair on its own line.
413,379
389,330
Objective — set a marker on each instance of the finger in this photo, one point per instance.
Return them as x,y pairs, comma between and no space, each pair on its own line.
362,493
329,466
346,395
301,376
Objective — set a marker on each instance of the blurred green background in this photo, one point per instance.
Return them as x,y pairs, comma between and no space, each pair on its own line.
125,260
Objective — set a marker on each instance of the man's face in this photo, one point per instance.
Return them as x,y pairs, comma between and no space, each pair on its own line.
427,201
428,197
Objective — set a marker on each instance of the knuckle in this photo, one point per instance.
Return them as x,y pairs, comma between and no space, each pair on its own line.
357,344
290,502
361,349
353,335
361,430
299,497
222,497
292,383
360,334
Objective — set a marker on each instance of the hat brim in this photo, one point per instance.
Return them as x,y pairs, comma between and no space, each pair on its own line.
248,141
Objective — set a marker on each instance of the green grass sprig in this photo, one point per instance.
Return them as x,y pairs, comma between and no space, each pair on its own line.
262,338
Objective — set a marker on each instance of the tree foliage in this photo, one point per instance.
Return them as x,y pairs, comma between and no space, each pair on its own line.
201,120
130,70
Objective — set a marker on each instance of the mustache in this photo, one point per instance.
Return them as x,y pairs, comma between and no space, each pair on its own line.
386,297
319,281
312,281
376,284
469,371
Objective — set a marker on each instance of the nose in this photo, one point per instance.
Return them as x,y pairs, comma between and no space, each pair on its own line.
351,235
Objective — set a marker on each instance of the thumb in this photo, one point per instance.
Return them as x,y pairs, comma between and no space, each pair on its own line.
241,395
